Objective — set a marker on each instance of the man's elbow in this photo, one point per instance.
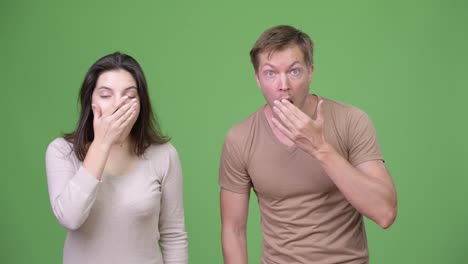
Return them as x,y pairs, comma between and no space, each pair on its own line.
387,218
234,230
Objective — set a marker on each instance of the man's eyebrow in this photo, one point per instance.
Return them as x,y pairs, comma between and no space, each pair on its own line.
294,63
272,66
269,65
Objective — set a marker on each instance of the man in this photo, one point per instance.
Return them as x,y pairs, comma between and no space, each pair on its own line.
314,164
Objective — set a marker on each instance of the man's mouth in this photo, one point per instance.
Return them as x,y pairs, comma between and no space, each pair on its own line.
287,98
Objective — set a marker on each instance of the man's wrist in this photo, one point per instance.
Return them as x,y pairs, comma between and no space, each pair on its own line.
324,152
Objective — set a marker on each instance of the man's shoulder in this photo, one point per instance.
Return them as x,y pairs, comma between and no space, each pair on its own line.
242,128
338,108
338,105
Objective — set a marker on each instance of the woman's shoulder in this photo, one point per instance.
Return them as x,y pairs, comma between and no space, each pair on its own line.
161,150
60,144
62,149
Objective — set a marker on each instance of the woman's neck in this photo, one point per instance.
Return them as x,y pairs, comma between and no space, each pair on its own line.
122,158
125,146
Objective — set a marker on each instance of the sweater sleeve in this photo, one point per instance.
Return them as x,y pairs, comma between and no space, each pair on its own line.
173,240
72,189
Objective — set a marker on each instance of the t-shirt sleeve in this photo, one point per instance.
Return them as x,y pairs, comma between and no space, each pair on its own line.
233,175
363,144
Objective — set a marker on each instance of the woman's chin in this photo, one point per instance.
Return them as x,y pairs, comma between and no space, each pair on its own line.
123,139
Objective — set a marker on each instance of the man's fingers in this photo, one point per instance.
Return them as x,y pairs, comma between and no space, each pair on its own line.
319,116
282,128
293,109
284,116
288,110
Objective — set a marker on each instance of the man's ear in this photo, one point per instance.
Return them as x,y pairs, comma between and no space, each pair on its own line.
256,78
311,72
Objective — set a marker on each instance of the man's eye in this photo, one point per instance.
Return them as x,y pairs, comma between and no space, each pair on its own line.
295,71
269,73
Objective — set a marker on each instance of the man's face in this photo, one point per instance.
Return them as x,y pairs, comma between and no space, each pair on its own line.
284,75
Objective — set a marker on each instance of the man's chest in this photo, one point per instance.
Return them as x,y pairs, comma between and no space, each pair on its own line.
282,174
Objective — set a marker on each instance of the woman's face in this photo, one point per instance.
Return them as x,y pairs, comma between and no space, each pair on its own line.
111,86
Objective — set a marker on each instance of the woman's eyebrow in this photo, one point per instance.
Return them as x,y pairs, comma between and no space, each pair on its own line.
107,88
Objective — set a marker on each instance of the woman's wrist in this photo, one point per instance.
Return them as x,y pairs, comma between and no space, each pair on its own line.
101,145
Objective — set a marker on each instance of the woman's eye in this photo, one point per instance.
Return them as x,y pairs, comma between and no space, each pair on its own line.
131,96
104,96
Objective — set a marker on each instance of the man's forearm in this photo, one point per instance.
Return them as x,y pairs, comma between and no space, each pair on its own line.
374,197
234,246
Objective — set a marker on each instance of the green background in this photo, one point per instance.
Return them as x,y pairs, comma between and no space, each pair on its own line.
403,62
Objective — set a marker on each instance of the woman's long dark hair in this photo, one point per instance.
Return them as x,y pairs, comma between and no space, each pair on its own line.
145,131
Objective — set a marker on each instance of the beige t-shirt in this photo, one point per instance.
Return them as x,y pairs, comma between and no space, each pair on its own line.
132,218
304,217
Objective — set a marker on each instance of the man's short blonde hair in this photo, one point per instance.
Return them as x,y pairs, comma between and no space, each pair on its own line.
281,37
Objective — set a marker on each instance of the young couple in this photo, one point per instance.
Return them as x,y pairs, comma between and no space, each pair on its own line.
115,183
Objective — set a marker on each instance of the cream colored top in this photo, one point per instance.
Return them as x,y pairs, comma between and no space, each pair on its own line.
132,218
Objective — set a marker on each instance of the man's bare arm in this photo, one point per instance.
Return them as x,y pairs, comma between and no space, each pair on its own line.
234,212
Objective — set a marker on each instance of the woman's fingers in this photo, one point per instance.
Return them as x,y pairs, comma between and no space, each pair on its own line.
96,111
127,115
123,109
114,108
127,118
109,125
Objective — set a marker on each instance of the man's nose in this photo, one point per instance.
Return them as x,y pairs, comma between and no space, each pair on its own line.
284,83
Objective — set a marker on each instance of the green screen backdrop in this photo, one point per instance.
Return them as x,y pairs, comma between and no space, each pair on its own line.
403,62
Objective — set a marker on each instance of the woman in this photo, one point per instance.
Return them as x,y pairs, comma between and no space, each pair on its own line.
115,183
